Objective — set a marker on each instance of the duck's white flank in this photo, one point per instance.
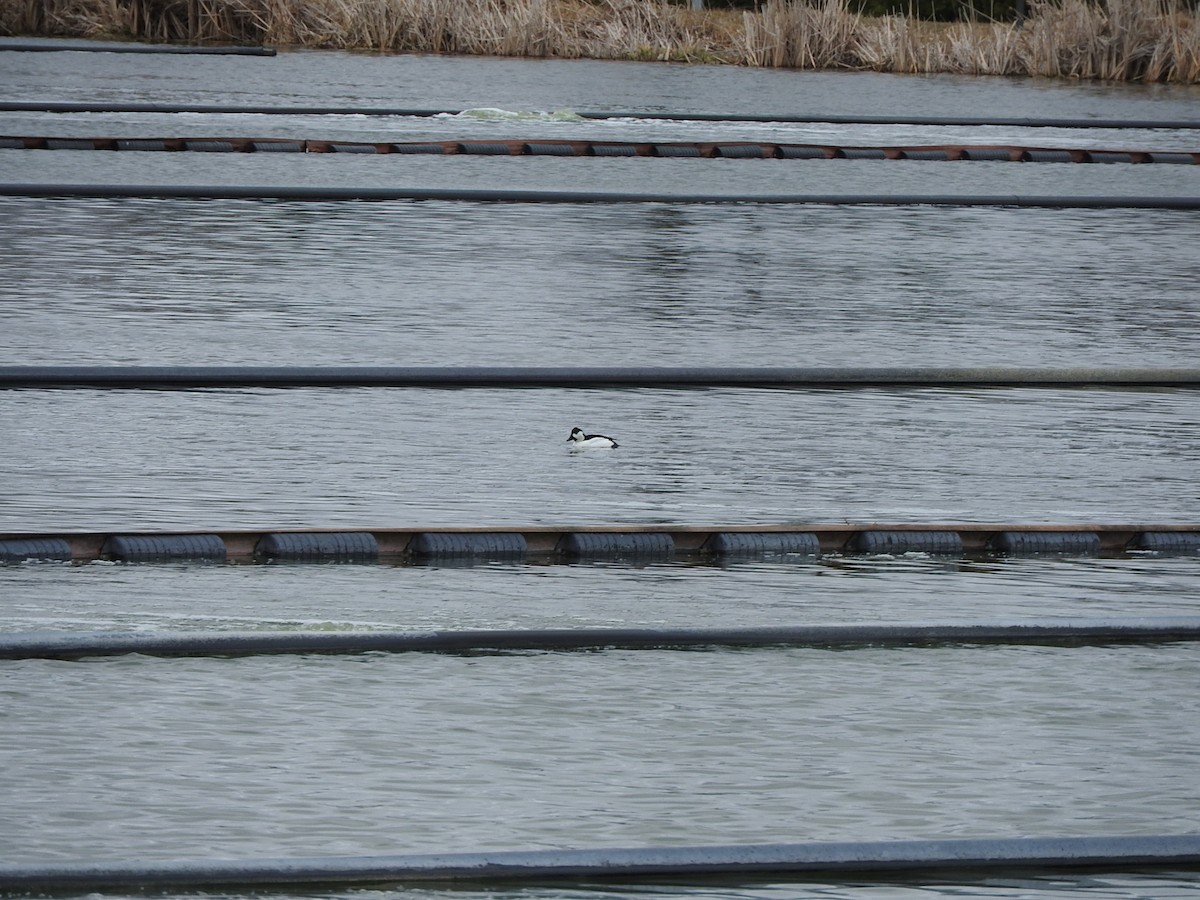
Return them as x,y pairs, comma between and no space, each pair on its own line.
580,441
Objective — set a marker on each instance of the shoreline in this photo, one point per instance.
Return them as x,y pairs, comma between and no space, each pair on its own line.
1139,41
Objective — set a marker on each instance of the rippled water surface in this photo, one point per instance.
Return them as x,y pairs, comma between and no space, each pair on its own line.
104,597
174,282
312,458
140,758
356,755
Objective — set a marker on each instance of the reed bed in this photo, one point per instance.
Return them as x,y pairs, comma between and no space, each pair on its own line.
1119,40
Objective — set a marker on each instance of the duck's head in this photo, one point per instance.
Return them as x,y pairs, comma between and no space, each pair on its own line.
577,435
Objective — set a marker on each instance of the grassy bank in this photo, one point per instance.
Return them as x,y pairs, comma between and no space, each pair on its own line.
1123,40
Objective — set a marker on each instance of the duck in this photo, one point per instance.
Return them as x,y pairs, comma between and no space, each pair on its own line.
580,441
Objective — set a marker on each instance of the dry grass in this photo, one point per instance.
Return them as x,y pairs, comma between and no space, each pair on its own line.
975,49
821,35
1120,40
897,44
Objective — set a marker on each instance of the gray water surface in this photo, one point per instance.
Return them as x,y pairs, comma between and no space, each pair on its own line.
359,755
915,588
82,460
424,81
433,283
132,757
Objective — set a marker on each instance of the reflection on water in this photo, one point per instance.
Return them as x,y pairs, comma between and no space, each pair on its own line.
450,284
429,81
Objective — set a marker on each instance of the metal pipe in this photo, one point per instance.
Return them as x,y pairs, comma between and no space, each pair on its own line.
72,645
586,148
70,106
970,860
296,192
444,546
591,377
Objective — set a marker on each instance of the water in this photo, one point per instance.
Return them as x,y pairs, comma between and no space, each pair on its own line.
103,597
323,283
362,754
437,82
136,758
363,458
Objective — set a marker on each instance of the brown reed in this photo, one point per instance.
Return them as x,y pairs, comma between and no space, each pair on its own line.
1119,40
